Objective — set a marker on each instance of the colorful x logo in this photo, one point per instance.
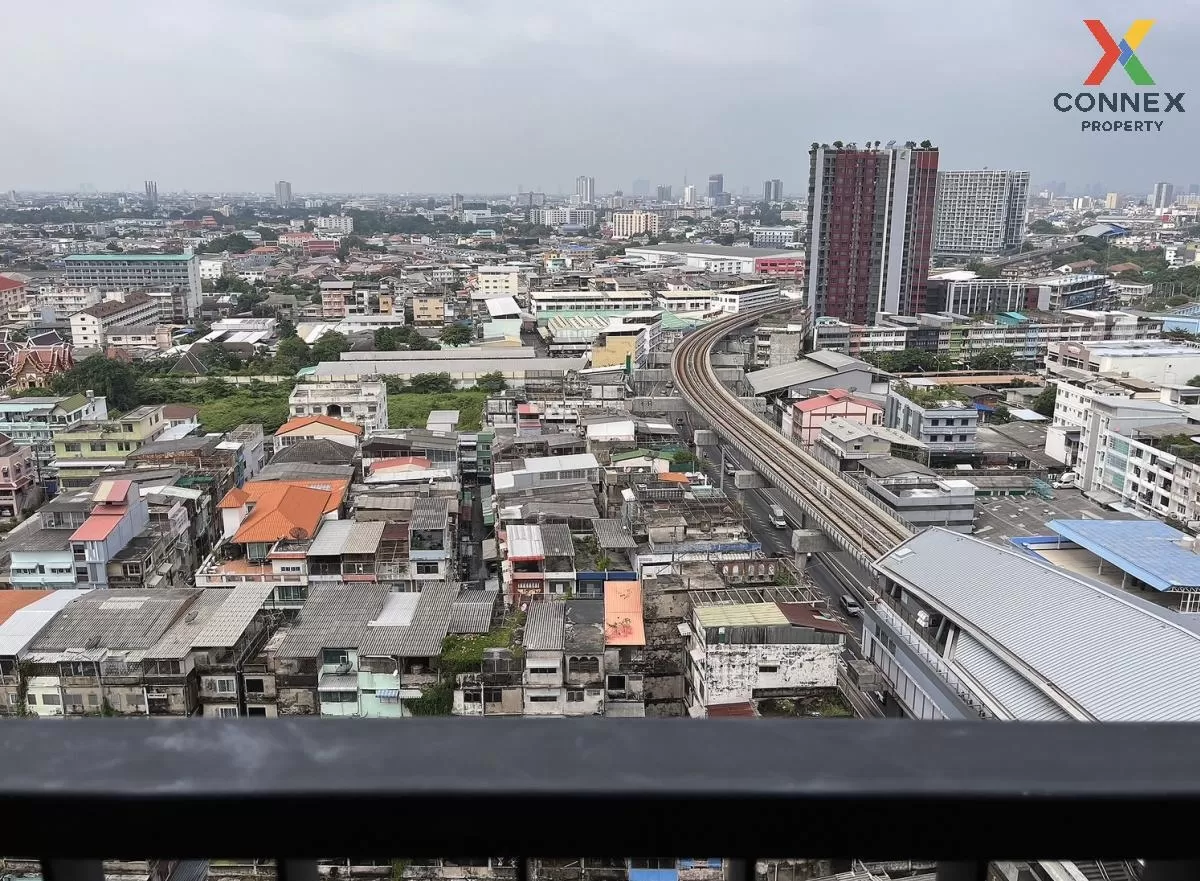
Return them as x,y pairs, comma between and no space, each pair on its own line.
1122,52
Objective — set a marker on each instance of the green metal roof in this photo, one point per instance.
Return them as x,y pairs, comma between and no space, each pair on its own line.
109,258
73,403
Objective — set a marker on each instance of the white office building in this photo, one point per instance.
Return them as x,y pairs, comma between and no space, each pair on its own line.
341,224
564,217
585,189
498,281
364,403
178,273
979,213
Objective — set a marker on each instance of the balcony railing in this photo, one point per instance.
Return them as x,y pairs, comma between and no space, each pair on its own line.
961,793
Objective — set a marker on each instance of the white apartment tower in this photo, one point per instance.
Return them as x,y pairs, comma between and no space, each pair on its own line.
585,189
980,213
283,194
1164,195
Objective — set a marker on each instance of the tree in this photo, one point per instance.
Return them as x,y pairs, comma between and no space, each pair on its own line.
984,270
115,380
330,346
268,234
292,354
456,335
994,358
112,246
431,383
1043,228
235,244
1044,402
1194,382
1000,415
491,382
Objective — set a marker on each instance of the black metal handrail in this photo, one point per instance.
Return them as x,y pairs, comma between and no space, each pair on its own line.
314,788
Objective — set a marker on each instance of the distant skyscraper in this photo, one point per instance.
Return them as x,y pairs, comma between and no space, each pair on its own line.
980,213
456,202
716,185
773,190
152,192
870,216
283,194
585,189
1164,196
1112,201
641,187
689,195
664,193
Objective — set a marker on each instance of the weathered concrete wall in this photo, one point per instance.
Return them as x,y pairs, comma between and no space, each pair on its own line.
732,672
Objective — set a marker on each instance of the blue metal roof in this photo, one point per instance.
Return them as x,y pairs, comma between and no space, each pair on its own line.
1146,549
653,875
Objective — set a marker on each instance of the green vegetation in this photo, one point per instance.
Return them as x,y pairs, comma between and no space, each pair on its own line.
931,396
1044,402
1001,415
411,409
492,383
1180,445
402,339
910,361
329,347
235,244
984,270
464,654
456,335
995,358
1194,382
260,402
1043,228
435,700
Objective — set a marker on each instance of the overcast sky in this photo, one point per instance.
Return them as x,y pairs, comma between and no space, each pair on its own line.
477,96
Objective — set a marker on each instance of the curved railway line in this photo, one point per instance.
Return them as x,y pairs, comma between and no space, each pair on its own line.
855,522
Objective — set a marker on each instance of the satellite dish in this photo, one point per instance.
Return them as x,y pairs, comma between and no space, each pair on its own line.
299,533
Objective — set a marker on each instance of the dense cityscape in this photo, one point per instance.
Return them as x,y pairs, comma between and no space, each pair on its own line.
904,443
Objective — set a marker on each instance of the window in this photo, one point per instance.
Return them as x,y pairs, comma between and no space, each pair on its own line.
50,700
72,448
255,686
616,683
97,446
224,686
543,671
768,668
543,698
492,695
124,446
472,697
427,568
339,697
575,696
256,711
226,712
585,665
93,699
32,698
335,656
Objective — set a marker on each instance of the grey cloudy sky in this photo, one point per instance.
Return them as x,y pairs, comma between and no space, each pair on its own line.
478,96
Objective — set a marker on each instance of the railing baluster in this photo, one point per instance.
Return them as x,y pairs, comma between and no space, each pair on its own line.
298,870
1172,870
964,870
73,870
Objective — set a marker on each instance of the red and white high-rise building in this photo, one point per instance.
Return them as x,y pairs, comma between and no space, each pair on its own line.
870,220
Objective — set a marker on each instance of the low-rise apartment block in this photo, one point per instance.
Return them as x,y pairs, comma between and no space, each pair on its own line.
178,274
940,417
92,327
363,403
82,450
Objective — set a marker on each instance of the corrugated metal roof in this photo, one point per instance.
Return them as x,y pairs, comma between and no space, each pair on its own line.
423,637
471,611
226,627
178,639
1117,657
398,610
331,538
556,540
1004,685
335,615
584,626
748,614
544,625
1147,549
611,534
365,537
524,541
107,619
431,513
25,623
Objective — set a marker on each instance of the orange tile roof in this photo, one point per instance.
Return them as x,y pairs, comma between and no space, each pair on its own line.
14,600
416,462
283,511
623,621
276,511
673,477
235,498
97,527
304,421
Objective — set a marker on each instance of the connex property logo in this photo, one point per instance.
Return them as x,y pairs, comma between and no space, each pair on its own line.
1123,52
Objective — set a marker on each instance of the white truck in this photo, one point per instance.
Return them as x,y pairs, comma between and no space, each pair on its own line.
778,520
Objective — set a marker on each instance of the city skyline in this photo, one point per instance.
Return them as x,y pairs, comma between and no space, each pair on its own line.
346,55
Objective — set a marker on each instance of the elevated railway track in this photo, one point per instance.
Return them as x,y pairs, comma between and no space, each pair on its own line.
855,522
